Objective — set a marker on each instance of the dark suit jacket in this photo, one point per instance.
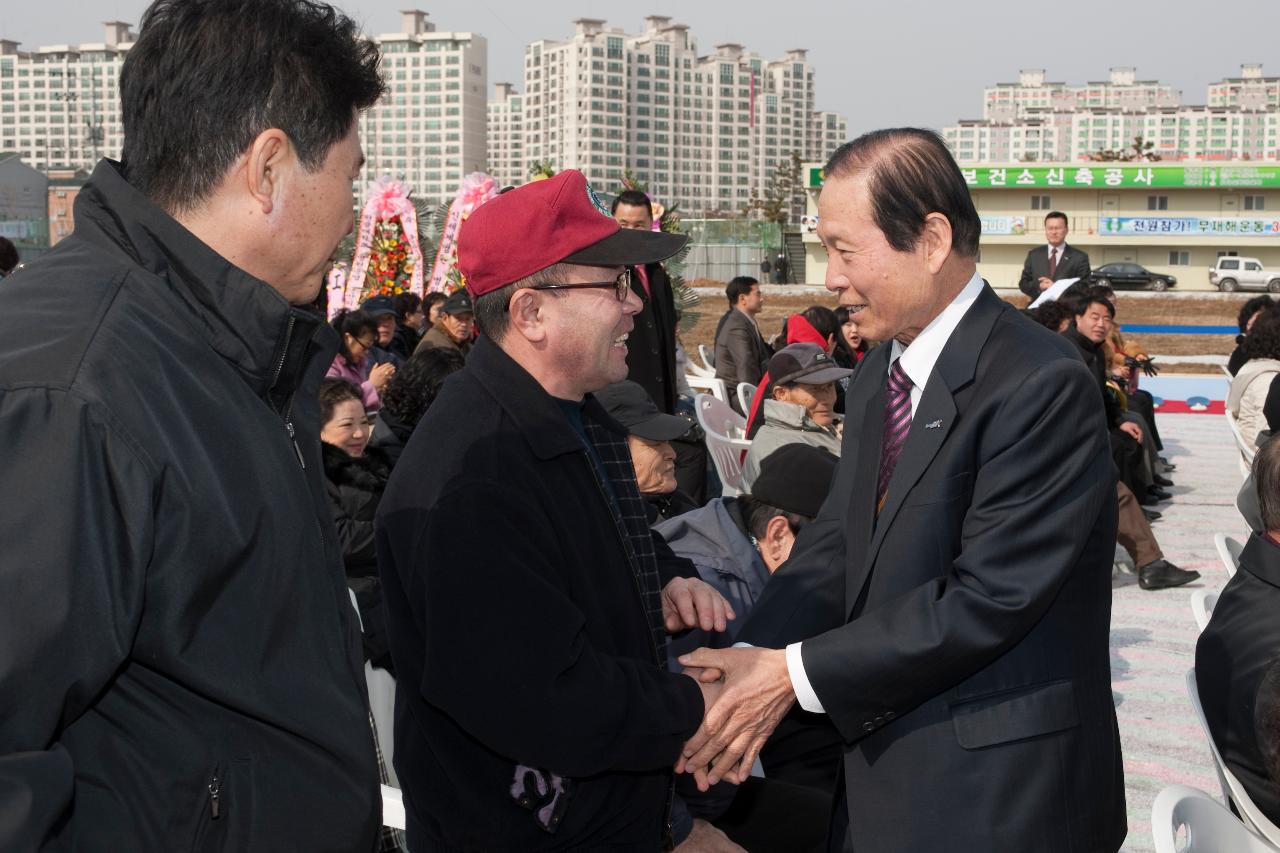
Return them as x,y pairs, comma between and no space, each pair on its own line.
1073,264
1239,649
959,643
651,347
741,354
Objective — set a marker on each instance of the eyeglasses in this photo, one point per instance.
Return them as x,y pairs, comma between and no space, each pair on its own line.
621,285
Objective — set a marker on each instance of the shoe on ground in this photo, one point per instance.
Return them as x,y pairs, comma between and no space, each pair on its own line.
1151,514
1167,464
1162,574
1161,481
1159,493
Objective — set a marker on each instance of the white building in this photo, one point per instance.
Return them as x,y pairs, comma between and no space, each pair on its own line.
507,162
429,128
1034,120
60,104
705,132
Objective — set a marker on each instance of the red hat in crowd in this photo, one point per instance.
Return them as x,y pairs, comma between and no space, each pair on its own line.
542,223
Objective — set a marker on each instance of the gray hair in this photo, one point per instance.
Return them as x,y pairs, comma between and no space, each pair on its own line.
491,315
1266,478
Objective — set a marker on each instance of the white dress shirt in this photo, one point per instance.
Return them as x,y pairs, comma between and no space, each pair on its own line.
918,361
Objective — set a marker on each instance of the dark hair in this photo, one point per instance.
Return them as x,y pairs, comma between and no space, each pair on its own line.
1102,291
634,198
206,77
8,256
1264,340
405,304
910,174
1253,306
353,323
490,309
414,387
1055,214
823,320
1082,306
738,287
758,514
842,317
435,297
333,393
1051,314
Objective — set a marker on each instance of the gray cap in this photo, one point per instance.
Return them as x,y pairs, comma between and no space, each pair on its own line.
806,364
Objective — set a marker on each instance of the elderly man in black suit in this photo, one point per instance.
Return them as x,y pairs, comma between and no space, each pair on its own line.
1047,264
1238,655
948,611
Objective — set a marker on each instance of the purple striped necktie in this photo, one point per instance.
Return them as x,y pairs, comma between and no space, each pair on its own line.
897,423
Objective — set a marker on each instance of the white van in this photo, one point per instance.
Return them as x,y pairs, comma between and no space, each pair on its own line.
1236,273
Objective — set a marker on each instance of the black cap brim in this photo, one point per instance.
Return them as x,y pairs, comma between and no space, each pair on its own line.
629,247
660,427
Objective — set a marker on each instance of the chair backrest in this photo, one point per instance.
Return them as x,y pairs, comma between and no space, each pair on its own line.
1228,551
1209,826
1202,603
746,394
708,357
709,383
725,441
1232,790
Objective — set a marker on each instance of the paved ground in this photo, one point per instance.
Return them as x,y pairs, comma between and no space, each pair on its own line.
1153,634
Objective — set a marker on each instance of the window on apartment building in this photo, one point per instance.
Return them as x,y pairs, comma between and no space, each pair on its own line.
1179,259
1255,202
1041,202
1157,202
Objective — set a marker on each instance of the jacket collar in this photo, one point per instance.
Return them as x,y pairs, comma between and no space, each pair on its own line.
242,318
535,412
1261,559
792,416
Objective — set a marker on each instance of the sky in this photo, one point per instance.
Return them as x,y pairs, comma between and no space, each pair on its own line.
884,63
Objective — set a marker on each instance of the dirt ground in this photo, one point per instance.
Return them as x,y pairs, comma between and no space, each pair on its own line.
1132,310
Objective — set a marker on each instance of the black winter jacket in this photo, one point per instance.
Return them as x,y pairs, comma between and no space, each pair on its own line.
181,666
519,629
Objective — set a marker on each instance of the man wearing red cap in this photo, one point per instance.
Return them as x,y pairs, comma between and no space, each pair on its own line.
528,602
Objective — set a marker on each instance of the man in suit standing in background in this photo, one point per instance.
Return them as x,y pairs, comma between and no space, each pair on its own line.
1045,265
949,609
741,353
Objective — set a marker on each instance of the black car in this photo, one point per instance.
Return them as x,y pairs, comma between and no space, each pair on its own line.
1120,275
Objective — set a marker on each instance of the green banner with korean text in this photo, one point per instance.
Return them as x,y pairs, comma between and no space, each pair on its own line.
1118,176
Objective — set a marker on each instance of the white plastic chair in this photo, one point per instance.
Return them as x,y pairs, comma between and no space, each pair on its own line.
1210,827
746,393
382,704
1229,552
1250,815
1202,603
708,357
726,443
392,807
715,387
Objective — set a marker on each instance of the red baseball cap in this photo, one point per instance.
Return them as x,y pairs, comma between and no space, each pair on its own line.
548,222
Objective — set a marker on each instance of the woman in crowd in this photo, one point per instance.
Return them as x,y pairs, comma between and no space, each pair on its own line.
1247,396
850,345
408,395
355,477
359,333
431,308
799,405
1248,314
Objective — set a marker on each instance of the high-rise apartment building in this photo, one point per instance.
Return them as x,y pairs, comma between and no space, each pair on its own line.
507,162
706,132
1034,120
429,128
60,104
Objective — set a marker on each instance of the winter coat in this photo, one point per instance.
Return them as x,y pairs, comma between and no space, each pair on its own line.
181,665
354,485
357,375
521,609
1248,395
785,423
389,435
438,337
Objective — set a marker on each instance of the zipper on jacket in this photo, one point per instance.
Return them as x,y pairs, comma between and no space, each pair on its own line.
215,792
288,425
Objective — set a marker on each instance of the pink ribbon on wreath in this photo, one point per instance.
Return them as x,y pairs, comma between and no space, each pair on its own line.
386,199
476,189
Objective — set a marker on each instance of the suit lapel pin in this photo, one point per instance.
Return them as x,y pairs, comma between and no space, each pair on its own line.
933,425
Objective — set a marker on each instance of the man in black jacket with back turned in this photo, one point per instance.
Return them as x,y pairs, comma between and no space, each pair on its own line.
181,665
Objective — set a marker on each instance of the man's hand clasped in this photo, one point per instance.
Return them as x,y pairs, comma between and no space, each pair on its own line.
748,691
